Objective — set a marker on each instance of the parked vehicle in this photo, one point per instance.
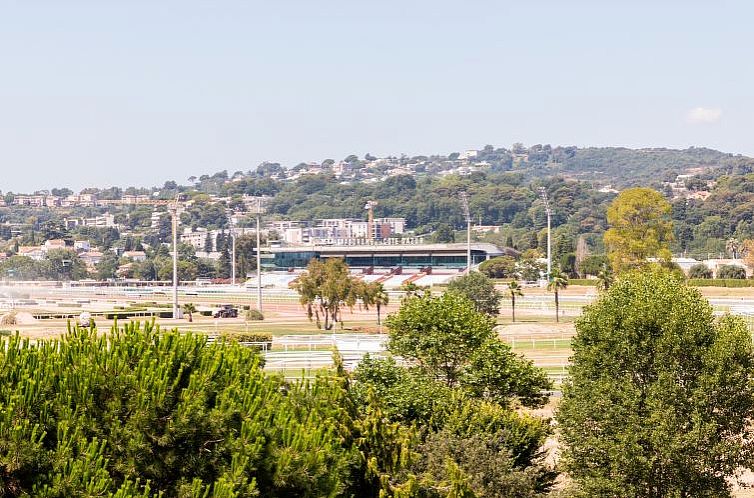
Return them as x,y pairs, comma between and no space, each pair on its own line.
86,320
226,311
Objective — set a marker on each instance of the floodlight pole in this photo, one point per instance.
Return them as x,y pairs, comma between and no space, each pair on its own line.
467,214
259,257
549,244
548,210
468,245
174,214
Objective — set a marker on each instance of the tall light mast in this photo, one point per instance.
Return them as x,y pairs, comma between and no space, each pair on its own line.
233,256
173,208
467,214
548,210
258,209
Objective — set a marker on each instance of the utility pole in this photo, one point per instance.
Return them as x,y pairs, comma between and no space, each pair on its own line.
467,214
174,214
259,256
548,210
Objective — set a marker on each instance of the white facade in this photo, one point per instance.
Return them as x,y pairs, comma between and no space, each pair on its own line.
197,239
82,245
135,255
337,230
156,217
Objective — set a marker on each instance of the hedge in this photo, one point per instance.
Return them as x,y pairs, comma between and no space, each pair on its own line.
720,282
589,282
263,337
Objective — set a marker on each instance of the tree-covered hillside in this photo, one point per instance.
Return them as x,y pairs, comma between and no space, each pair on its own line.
623,167
709,190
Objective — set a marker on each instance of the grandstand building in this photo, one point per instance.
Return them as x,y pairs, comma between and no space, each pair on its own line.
448,256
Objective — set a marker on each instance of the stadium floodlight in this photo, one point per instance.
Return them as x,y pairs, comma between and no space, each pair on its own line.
467,214
548,210
173,208
258,210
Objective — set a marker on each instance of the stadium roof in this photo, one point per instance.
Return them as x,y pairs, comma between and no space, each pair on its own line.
490,249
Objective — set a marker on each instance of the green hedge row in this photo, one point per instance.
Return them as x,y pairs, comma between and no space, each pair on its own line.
697,282
720,282
589,282
248,337
125,315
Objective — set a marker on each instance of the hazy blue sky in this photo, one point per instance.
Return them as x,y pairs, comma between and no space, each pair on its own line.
106,92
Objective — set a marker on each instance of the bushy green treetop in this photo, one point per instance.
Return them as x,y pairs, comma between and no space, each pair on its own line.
660,397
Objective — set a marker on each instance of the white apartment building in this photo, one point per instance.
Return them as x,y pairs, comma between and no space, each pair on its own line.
197,239
134,199
156,217
107,220
83,200
337,230
30,200
82,245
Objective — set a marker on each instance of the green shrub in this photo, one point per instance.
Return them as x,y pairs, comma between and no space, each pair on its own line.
731,272
127,313
499,267
262,337
700,270
589,282
720,282
254,315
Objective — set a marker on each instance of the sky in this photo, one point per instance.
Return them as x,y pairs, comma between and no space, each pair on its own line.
106,92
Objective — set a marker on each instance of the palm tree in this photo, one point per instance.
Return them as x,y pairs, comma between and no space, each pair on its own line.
514,290
190,309
413,290
733,246
557,283
380,298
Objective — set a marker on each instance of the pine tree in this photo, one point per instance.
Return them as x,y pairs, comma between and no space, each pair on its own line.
224,263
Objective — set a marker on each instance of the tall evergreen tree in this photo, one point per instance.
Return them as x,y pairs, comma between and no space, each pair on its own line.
224,263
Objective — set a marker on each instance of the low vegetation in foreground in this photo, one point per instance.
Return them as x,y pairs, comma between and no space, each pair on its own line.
143,412
659,404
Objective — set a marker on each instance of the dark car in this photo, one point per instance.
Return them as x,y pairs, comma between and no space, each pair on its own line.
226,311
